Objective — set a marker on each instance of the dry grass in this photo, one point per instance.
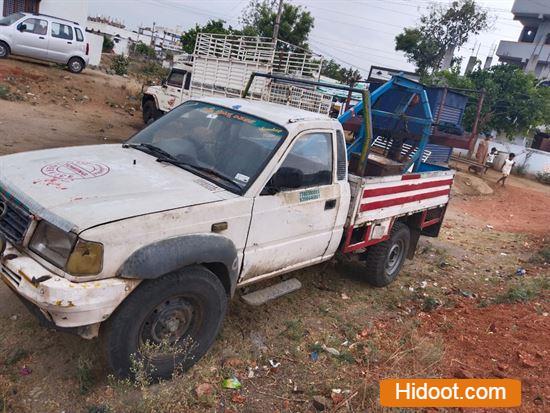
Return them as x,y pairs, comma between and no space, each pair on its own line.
377,333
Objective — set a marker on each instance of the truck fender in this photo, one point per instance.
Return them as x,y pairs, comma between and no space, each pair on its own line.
214,251
147,97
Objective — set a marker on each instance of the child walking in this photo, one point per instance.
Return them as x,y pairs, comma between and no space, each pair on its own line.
507,168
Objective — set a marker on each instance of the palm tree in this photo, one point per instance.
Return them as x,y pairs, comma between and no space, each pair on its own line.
350,77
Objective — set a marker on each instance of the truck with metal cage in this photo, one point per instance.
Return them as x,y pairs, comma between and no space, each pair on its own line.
145,243
222,64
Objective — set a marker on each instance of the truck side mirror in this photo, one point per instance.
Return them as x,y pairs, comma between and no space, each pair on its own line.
22,27
284,178
164,83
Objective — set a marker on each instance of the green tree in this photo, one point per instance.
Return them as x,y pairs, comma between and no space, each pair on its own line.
108,44
144,50
350,77
513,103
332,69
189,38
259,17
444,28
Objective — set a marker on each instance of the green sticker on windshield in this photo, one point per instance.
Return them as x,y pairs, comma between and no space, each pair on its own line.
309,195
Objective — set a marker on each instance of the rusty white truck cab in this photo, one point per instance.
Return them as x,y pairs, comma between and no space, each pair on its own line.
146,241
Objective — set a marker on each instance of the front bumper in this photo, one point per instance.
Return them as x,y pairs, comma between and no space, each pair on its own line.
66,304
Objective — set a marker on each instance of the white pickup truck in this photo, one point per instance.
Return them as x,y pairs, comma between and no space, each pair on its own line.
146,242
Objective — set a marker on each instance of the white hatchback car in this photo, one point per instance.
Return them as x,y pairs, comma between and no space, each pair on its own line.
46,38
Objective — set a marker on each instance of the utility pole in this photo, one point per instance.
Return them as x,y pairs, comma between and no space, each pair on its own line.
152,44
277,22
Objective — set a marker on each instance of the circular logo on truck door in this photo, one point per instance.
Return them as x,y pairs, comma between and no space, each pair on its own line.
71,170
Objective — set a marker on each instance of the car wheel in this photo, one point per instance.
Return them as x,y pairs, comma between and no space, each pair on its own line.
75,65
150,112
384,260
4,50
166,324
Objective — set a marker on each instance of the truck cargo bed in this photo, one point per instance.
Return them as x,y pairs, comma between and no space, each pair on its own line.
379,198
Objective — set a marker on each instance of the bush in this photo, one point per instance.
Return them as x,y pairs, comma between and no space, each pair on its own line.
521,170
143,50
154,70
544,177
4,92
119,65
108,44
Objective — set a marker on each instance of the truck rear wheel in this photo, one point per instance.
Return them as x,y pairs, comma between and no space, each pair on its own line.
384,260
166,324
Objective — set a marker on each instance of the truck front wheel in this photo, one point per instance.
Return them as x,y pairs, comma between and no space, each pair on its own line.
384,260
166,324
150,112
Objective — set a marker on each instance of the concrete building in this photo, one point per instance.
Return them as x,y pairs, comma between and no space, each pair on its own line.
116,31
532,50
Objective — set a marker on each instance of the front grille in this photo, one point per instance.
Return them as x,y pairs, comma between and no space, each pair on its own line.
15,220
16,279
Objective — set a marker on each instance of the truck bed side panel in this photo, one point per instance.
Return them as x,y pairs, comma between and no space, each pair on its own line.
379,198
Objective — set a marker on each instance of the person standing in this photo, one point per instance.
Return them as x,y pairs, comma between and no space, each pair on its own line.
507,168
482,150
491,158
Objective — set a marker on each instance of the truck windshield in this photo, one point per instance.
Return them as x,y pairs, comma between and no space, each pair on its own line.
217,143
9,20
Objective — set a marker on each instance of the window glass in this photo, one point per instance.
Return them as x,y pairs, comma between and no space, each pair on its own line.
312,156
176,79
233,145
79,35
35,26
187,81
9,20
62,31
341,156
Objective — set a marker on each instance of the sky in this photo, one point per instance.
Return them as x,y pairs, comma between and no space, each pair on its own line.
357,33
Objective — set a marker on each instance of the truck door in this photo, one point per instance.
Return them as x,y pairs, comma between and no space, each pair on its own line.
173,88
293,227
31,38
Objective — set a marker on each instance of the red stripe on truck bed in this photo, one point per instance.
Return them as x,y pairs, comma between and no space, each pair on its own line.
403,200
410,176
404,188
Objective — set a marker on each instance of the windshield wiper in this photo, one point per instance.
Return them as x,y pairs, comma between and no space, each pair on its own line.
149,148
188,165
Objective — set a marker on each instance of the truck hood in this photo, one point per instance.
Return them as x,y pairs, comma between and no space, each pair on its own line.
81,187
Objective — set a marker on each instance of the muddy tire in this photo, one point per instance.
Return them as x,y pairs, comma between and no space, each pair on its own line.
383,261
166,324
76,65
150,112
4,50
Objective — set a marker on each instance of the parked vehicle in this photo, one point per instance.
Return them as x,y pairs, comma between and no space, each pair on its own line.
222,64
45,38
145,243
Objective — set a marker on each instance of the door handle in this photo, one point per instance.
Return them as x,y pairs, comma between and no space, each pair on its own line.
69,42
330,204
41,37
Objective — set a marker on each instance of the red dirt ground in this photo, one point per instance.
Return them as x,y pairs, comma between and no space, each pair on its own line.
510,209
509,337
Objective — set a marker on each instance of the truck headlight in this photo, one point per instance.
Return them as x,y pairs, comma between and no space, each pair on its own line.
52,244
86,258
66,251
